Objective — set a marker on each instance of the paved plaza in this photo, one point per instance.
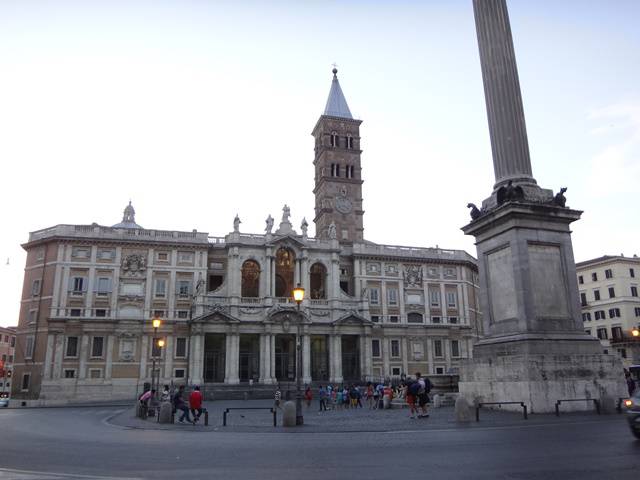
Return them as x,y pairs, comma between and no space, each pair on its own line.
97,442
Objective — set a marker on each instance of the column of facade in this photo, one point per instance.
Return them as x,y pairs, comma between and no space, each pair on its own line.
109,360
304,273
65,289
144,353
48,356
462,305
335,277
273,276
168,357
338,358
443,303
265,359
405,356
383,301
306,358
57,280
273,357
57,362
265,278
116,283
367,355
148,298
429,355
91,282
84,347
332,363
233,358
227,357
198,358
296,272
385,356
171,294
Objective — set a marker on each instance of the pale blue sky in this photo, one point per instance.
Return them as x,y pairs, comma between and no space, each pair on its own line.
198,110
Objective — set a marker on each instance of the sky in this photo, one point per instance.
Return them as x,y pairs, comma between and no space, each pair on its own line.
198,110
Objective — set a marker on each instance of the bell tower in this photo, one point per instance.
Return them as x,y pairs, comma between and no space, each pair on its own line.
338,173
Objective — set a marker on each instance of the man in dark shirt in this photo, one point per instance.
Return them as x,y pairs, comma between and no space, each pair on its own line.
179,404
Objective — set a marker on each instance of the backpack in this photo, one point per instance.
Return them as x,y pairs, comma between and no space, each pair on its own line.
414,388
427,385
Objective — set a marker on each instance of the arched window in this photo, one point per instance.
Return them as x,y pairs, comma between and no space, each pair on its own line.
349,142
334,139
318,281
250,279
414,317
285,266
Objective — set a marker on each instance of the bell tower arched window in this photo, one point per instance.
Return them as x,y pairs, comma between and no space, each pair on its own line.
250,279
334,139
318,281
285,267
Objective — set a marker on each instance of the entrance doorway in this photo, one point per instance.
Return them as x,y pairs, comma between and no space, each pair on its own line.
319,358
214,357
351,357
285,356
249,358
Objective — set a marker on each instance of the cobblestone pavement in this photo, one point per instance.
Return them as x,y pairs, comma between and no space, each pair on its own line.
337,420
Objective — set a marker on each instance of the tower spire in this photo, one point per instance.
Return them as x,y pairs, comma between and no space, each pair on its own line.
336,103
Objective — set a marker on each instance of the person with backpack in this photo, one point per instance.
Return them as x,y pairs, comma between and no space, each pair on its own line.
180,404
423,389
411,389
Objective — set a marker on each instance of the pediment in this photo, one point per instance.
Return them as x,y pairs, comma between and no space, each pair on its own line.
288,240
218,314
352,318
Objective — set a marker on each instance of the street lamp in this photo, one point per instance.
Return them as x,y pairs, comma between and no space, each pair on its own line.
635,333
298,296
156,322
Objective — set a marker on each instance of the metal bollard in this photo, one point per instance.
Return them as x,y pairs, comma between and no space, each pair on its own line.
206,418
275,417
224,418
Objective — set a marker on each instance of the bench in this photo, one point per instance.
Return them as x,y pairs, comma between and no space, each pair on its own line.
272,410
594,400
479,405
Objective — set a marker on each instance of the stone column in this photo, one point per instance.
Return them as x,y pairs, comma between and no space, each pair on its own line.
304,273
144,353
272,341
265,359
428,345
332,364
109,360
48,356
405,355
168,358
306,359
232,359
385,356
502,93
273,277
57,362
337,349
296,272
197,354
84,347
368,356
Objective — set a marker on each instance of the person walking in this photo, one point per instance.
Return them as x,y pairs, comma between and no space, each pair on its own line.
308,396
423,394
195,403
322,396
179,404
277,397
369,395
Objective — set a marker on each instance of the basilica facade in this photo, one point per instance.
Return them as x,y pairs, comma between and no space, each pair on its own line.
371,311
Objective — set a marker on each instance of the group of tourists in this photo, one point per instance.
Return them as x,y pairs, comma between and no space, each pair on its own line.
191,410
332,397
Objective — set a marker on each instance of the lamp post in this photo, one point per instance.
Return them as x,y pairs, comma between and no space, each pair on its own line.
298,296
156,324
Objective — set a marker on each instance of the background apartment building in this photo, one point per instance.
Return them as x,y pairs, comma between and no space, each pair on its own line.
610,303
